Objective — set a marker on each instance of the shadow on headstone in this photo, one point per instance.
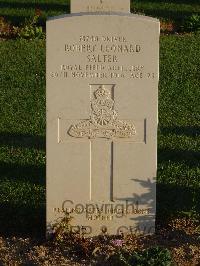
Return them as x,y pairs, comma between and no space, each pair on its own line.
144,223
171,200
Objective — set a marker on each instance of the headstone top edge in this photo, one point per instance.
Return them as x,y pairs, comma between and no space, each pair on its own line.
122,14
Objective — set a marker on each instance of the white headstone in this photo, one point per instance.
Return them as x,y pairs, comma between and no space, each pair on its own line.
100,6
102,115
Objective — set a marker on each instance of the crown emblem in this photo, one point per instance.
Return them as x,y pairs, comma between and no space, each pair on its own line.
102,93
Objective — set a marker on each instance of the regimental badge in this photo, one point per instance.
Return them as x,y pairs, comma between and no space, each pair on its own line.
103,122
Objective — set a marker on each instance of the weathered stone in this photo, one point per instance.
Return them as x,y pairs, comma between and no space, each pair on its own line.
102,101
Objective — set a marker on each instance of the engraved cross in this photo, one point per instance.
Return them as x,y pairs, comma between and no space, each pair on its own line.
101,129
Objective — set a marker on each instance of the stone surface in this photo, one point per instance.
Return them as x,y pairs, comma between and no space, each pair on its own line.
100,6
102,100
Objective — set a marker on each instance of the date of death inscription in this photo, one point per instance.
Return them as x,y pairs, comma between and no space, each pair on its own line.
102,71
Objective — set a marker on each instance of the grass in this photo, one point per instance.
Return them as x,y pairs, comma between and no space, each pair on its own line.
16,11
179,126
174,10
22,136
22,132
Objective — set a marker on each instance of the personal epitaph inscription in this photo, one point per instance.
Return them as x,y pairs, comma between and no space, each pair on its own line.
102,90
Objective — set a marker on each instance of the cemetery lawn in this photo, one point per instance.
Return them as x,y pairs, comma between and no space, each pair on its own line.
22,133
22,136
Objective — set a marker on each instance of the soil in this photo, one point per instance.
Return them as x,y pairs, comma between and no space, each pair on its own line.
180,236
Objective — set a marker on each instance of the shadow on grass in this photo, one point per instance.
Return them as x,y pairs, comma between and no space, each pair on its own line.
190,158
186,131
22,140
27,173
173,199
28,217
22,220
22,216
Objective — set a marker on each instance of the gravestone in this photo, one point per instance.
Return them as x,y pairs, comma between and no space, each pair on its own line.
102,115
100,6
